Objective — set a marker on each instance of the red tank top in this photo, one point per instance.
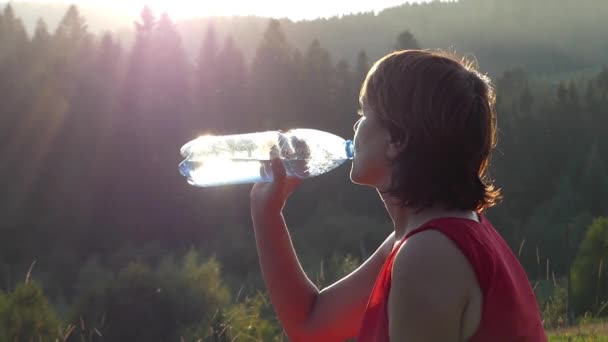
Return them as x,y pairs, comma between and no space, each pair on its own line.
509,312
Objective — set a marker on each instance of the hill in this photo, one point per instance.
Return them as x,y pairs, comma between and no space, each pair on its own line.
545,37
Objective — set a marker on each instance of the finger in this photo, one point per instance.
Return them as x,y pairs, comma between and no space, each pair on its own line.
278,170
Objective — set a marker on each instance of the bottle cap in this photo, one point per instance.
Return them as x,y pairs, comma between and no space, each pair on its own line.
350,149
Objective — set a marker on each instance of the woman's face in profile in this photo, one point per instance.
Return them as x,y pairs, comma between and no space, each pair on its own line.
370,165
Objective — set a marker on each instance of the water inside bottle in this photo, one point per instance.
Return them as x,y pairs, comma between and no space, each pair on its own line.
211,172
216,172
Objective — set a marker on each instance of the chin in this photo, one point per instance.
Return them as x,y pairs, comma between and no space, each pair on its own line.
375,177
355,180
357,177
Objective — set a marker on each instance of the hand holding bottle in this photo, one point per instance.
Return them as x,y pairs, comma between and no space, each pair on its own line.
270,197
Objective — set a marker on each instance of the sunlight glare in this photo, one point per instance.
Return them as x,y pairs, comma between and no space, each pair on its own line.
221,171
295,10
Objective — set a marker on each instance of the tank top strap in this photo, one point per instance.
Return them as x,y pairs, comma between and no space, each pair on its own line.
444,222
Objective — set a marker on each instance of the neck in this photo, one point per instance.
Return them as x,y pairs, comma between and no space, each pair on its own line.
407,219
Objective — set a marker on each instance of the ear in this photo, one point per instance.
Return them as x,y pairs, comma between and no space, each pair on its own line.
394,147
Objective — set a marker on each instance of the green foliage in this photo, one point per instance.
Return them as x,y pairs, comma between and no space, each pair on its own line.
152,302
554,311
25,315
589,283
93,278
335,269
248,321
136,307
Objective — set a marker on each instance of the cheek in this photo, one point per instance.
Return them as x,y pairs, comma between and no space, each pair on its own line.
369,168
362,140
357,140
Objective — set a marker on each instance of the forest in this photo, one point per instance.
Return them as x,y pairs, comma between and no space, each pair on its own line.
101,238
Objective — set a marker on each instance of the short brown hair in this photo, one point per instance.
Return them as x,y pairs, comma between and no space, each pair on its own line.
442,110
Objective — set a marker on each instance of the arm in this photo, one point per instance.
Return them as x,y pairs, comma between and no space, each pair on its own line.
431,287
306,313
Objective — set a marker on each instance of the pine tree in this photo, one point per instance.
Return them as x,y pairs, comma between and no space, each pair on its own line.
139,59
130,133
602,81
274,46
42,38
207,94
512,81
526,100
173,98
595,182
346,99
15,80
72,49
406,41
573,96
72,27
148,22
156,118
232,89
100,96
108,57
590,95
318,92
137,69
13,36
562,93
599,119
273,74
362,68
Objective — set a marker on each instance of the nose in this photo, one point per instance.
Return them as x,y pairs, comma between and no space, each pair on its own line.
356,125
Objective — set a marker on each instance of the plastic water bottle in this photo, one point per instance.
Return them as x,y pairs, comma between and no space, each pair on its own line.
246,158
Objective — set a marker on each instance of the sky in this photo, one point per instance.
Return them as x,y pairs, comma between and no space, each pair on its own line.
295,10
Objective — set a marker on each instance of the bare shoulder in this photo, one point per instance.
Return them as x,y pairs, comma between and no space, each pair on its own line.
432,282
434,256
428,242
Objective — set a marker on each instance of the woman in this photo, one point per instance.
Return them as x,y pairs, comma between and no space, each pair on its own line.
423,140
